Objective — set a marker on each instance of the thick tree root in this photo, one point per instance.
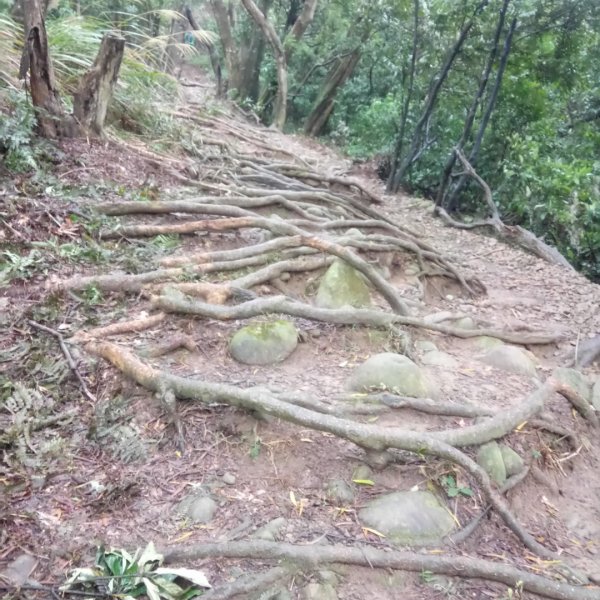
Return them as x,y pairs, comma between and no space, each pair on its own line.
369,437
172,301
133,326
315,556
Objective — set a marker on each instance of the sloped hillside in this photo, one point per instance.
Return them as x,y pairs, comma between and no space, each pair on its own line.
284,377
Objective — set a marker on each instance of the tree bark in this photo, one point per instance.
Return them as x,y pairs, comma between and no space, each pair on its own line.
321,111
398,173
280,110
300,25
44,94
224,25
96,86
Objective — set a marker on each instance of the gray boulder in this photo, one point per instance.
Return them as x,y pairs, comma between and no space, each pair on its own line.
435,358
509,358
339,491
393,372
342,285
513,463
271,530
199,508
264,343
409,518
490,460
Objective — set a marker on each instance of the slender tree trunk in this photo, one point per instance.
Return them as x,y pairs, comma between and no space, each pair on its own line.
473,155
408,97
44,94
214,58
280,110
96,86
300,25
397,174
468,126
223,18
323,107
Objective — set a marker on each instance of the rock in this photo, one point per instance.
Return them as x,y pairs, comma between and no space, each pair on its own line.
425,346
18,571
596,395
362,473
393,372
229,479
439,359
491,461
342,285
271,530
199,508
409,518
340,492
485,342
319,591
509,358
412,269
264,343
465,323
575,380
513,463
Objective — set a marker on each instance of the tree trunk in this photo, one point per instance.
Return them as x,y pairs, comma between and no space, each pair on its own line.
44,95
96,86
300,25
468,125
222,17
453,196
214,59
398,173
321,111
408,94
280,110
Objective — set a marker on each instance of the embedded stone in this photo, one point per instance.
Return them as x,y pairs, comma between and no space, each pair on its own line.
393,372
264,343
513,463
409,518
436,358
340,492
198,508
509,358
490,459
271,530
342,285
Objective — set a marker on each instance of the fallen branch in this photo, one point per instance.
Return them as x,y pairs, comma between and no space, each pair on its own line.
315,556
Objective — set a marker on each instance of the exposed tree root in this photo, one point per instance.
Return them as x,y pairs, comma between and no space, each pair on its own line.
171,301
134,326
315,556
369,437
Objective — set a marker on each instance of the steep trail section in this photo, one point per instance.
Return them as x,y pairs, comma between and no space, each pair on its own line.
292,449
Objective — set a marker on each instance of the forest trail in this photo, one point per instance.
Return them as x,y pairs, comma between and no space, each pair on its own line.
183,252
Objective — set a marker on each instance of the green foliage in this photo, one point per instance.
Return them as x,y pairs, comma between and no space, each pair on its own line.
453,490
120,574
17,134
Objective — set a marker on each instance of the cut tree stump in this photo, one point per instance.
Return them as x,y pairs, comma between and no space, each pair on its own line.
90,102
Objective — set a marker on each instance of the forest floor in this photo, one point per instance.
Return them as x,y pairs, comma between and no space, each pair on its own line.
110,461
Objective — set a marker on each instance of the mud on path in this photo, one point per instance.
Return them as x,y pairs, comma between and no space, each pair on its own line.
90,457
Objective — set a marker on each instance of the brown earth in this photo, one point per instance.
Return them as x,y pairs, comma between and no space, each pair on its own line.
82,482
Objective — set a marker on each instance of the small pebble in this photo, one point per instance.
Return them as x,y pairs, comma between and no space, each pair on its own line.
229,479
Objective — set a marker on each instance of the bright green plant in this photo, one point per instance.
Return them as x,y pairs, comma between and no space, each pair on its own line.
17,134
453,490
122,575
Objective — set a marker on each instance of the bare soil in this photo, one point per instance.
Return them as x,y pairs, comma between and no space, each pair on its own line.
77,484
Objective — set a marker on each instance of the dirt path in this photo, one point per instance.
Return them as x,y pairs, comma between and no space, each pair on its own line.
115,464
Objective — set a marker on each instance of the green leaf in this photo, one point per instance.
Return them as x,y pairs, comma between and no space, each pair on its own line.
193,575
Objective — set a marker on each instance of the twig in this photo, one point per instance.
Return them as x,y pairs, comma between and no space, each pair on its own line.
68,357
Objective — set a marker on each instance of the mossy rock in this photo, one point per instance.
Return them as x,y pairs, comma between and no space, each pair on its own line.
513,463
393,372
491,461
342,285
409,518
264,343
510,358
